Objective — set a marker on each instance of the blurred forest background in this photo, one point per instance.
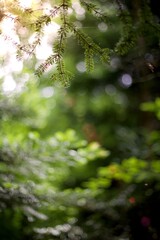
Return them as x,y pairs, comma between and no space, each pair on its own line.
83,162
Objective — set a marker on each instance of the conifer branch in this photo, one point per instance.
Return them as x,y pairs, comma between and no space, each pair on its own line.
93,9
90,47
38,22
59,47
44,66
148,21
128,35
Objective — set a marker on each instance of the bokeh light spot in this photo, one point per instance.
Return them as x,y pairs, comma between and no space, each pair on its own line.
9,84
102,27
81,67
47,92
145,221
126,80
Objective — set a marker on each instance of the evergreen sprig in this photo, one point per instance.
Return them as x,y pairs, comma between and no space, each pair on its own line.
128,34
61,74
90,47
93,9
44,66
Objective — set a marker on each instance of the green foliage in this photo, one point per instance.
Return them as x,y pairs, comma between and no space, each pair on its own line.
63,186
152,107
56,179
32,171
